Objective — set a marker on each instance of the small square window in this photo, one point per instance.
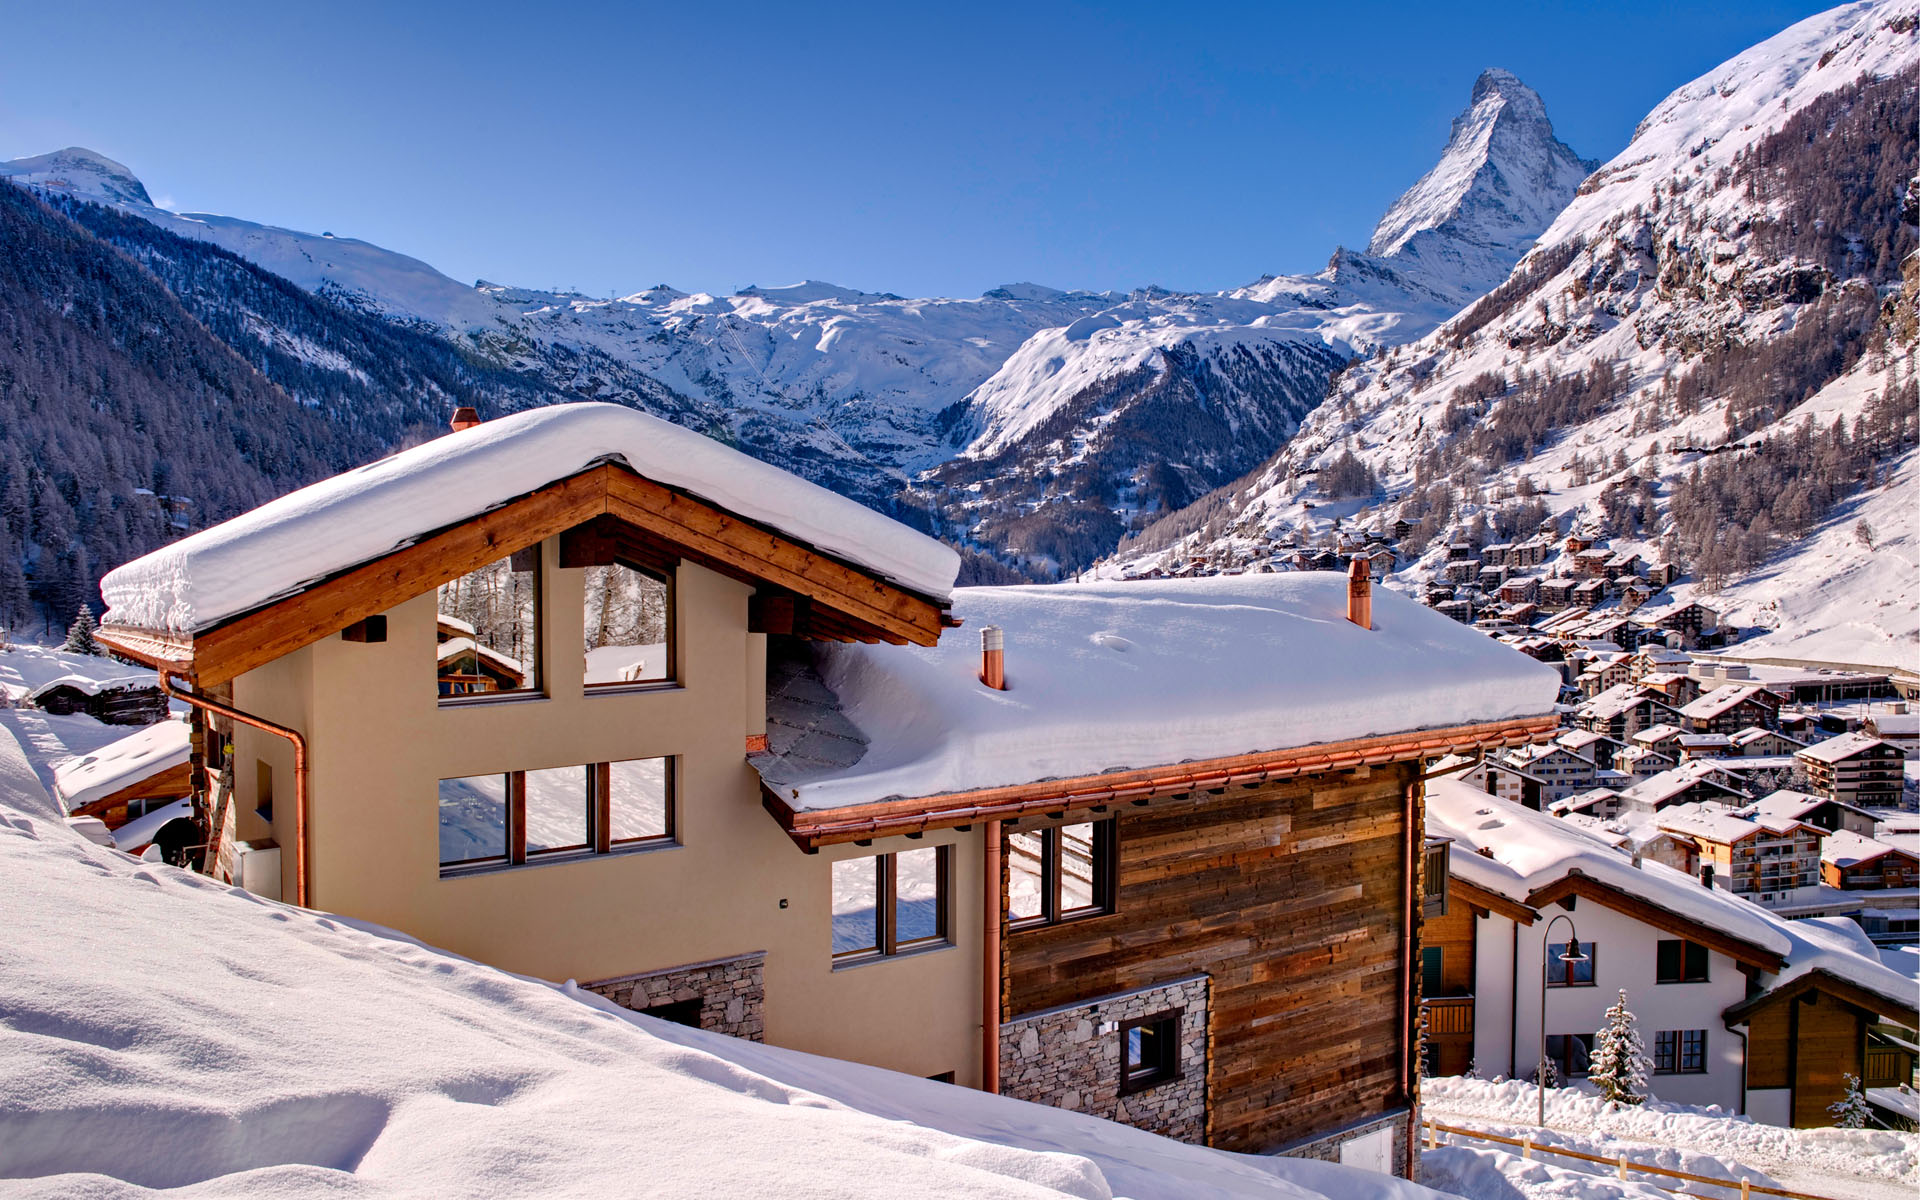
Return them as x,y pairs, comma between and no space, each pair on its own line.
489,629
1677,961
1149,1051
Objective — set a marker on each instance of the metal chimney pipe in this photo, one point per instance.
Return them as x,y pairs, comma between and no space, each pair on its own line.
993,657
1360,594
465,417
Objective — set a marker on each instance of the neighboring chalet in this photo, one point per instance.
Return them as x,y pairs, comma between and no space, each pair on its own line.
1769,860
1147,849
1620,712
122,780
1731,708
125,701
1850,861
1712,979
1818,811
1856,769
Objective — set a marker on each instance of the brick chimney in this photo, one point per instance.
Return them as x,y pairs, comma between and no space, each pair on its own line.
1360,594
465,417
993,657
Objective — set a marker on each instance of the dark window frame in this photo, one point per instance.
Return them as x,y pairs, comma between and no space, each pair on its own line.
1680,1052
1563,1060
1164,1066
1684,958
1106,871
886,905
596,795
1590,968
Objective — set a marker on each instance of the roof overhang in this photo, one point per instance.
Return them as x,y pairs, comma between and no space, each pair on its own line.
1492,901
844,602
1574,883
1900,1012
813,828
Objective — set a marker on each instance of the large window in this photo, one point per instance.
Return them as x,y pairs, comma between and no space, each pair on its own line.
1676,961
1561,973
628,626
489,631
526,816
1060,873
1149,1051
890,904
1680,1052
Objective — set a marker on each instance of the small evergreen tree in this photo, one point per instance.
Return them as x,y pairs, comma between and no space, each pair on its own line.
1619,1064
1851,1112
80,634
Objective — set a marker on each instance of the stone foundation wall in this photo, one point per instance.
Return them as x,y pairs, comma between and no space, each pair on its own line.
731,992
1327,1149
1070,1058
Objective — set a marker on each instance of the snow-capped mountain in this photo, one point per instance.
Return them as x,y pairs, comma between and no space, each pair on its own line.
1145,399
1150,402
1667,364
1502,180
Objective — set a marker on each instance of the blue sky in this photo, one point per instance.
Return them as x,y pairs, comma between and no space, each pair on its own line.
927,150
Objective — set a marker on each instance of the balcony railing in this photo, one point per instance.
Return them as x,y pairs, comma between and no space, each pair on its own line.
1448,1015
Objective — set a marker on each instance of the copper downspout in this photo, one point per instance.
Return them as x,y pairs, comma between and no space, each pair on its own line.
990,968
299,778
1410,1078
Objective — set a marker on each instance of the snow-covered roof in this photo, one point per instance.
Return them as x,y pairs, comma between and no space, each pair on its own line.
1655,789
1620,698
1896,724
90,685
1528,850
1111,675
1653,735
1845,746
455,647
78,782
1719,823
1795,806
136,835
1720,699
358,516
1844,848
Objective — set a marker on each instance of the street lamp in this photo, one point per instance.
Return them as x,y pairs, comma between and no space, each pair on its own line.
1572,956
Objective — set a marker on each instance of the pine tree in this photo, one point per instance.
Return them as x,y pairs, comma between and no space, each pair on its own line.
1619,1064
80,634
1851,1112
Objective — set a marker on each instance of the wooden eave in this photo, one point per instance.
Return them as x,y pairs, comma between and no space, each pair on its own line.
1823,980
855,601
1479,897
813,828
1666,920
172,781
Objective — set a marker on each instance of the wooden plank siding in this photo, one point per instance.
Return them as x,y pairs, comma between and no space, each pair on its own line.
1449,1028
1289,895
1808,1039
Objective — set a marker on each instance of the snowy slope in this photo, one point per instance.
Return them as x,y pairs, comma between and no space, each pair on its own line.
161,1031
1655,268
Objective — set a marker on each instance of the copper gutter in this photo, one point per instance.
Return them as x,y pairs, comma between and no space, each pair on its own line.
812,829
990,967
299,778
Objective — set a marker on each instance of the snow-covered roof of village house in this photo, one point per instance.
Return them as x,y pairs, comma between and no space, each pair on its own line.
358,516
1720,699
1114,675
1845,746
1719,823
1618,699
1792,805
1655,789
1529,850
91,685
1844,848
78,782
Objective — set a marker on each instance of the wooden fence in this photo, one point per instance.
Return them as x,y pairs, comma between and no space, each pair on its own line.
1621,1165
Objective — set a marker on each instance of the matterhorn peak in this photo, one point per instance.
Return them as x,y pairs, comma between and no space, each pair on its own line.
1500,182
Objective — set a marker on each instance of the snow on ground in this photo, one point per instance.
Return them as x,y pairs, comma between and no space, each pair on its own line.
1108,675
1842,1163
359,515
160,1030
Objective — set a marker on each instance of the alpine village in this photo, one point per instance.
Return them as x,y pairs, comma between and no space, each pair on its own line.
1447,723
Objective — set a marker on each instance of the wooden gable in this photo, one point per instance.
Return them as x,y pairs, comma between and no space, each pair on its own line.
610,506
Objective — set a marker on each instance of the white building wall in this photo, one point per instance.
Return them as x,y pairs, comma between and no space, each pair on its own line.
1493,996
1625,950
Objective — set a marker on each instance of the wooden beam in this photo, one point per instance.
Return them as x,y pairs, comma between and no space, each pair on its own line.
1479,897
259,637
685,521
174,781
